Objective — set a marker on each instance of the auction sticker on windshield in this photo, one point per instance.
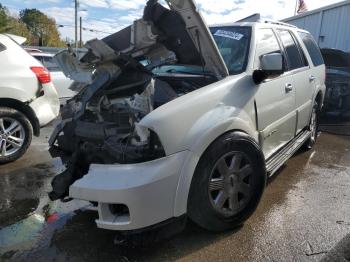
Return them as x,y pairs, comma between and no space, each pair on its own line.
229,34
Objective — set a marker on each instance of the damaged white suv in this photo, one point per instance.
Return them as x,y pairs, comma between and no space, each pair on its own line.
174,119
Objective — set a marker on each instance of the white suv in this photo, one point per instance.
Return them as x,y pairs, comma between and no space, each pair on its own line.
180,120
28,99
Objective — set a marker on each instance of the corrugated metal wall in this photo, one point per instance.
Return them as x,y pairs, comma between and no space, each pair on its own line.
330,27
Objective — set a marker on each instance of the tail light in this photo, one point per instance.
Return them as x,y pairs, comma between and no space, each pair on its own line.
42,74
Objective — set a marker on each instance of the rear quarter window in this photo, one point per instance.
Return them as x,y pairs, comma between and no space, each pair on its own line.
312,48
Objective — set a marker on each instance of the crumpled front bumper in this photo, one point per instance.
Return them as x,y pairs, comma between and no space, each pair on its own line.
148,190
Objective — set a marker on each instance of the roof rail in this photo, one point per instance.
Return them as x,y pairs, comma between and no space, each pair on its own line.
256,18
279,23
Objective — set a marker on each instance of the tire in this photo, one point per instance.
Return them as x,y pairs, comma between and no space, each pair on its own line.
245,185
313,127
16,134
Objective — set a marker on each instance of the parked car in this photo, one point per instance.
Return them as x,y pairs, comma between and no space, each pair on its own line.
152,146
337,99
61,82
28,99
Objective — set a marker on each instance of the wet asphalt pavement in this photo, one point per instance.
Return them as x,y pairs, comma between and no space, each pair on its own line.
304,216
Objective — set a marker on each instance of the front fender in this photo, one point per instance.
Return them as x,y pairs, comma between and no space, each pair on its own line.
207,129
217,122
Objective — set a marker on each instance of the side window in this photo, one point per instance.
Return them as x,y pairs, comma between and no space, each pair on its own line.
38,58
312,48
50,64
294,57
267,44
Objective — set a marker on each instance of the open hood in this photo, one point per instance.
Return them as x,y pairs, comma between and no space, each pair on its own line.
176,35
186,34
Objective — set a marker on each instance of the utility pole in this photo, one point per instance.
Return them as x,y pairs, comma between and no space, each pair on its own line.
76,24
81,33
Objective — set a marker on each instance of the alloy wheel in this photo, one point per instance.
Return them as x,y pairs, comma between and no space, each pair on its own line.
230,186
12,136
313,125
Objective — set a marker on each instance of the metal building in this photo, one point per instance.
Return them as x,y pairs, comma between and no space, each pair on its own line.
330,25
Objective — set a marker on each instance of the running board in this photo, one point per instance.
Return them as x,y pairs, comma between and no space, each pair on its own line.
276,161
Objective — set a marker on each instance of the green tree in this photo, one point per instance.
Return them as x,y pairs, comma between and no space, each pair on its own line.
16,27
11,25
42,27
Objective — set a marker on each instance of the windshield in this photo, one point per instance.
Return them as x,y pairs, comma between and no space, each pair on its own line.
233,43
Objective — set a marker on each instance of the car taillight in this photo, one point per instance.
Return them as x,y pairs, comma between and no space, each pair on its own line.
42,74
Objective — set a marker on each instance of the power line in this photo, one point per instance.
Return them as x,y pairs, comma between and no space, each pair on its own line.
90,18
85,28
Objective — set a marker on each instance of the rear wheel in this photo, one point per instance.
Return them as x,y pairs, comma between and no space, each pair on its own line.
313,127
228,183
15,134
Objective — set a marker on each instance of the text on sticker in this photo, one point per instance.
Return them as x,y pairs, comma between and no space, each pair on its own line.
229,34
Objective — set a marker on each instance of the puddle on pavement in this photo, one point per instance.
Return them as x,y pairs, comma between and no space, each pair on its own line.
16,210
28,218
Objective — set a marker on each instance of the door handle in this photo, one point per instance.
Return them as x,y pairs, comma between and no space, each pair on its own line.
312,78
288,88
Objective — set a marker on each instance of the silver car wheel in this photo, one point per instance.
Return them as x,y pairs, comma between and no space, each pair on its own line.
313,125
229,184
12,136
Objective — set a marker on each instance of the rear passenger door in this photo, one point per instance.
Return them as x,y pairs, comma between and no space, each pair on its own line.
275,99
317,67
302,80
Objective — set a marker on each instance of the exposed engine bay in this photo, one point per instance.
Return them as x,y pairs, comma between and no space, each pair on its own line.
118,89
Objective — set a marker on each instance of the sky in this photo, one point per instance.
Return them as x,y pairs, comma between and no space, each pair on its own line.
103,17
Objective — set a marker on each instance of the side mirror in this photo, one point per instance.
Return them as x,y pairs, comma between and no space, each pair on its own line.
271,65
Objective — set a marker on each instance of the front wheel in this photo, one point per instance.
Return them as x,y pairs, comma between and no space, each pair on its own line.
15,134
228,183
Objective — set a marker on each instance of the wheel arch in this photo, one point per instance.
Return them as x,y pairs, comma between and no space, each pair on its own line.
241,123
24,109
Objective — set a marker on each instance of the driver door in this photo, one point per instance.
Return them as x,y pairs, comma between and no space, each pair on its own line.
275,100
